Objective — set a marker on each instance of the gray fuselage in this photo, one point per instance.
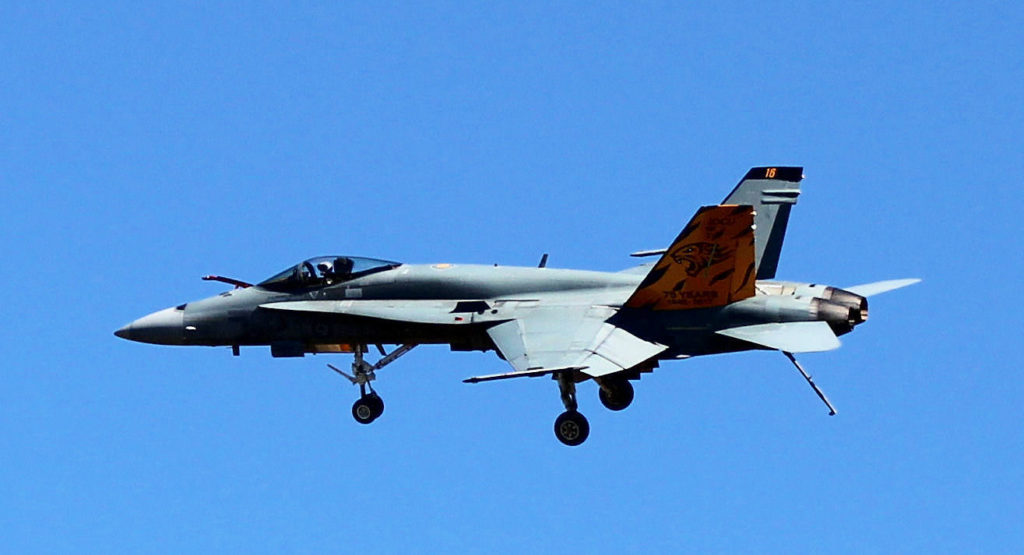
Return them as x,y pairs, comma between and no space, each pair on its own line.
244,316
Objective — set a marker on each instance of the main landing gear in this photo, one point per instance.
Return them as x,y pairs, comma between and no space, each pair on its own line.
571,427
615,394
369,406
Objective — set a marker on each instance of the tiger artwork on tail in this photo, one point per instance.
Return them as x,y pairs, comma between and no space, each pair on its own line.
711,263
700,256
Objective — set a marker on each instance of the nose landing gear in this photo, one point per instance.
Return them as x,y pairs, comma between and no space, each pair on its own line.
369,406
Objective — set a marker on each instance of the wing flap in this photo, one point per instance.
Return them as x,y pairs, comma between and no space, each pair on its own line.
614,350
549,339
792,337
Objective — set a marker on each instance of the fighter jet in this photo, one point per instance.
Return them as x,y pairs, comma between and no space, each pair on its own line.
711,291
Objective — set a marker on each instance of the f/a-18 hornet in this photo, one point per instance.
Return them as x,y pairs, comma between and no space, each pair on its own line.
712,291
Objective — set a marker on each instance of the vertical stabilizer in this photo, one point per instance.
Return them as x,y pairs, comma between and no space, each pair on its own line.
711,263
772,191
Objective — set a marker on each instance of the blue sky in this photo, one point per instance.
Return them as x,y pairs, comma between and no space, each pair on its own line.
144,146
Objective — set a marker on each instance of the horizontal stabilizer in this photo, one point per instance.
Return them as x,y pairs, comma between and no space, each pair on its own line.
792,337
869,289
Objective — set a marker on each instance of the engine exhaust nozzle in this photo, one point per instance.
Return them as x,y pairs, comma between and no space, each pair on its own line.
858,305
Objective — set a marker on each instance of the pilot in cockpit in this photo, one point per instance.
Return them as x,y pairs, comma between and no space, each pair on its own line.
336,271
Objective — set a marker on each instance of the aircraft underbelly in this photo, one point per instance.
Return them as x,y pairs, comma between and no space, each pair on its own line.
324,329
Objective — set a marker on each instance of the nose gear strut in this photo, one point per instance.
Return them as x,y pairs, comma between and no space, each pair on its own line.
369,406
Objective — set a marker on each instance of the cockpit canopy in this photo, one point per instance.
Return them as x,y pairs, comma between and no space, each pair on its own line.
323,271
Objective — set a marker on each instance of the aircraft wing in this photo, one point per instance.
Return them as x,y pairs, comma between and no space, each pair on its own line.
546,339
535,336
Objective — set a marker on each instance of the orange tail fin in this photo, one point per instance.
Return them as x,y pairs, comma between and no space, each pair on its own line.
711,263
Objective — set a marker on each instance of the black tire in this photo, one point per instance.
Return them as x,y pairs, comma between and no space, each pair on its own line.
572,428
377,404
620,397
364,410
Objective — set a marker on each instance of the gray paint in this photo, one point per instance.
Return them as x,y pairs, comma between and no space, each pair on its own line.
772,199
570,324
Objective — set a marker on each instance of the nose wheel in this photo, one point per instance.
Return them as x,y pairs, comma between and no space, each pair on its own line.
369,406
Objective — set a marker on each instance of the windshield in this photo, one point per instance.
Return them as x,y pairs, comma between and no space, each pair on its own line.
325,270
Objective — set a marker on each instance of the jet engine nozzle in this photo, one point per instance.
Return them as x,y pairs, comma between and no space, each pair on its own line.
857,304
841,317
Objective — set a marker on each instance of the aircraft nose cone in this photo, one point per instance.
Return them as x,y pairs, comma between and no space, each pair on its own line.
165,327
125,332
